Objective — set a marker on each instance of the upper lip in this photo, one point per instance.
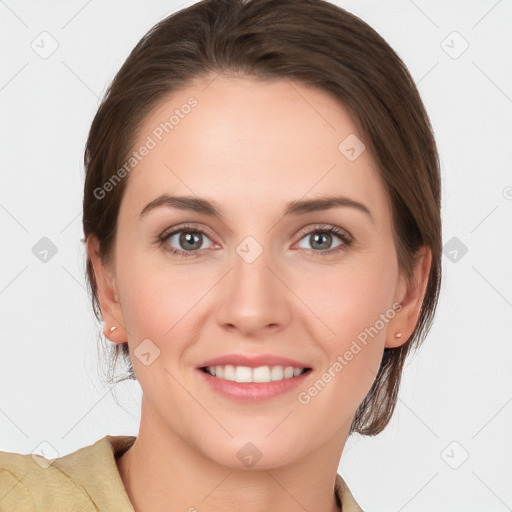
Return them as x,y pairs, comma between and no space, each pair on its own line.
253,361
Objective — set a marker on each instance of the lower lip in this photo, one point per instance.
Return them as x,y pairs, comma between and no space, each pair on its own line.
253,391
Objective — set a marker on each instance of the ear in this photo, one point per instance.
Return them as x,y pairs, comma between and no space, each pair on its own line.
410,295
110,306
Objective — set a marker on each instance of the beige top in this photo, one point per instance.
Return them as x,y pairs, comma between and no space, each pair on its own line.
86,480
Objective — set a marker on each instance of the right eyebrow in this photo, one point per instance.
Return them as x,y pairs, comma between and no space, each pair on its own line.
188,203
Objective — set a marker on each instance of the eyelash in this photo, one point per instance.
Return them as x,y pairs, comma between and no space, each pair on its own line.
345,238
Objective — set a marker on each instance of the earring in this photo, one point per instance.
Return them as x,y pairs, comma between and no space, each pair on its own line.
113,328
398,335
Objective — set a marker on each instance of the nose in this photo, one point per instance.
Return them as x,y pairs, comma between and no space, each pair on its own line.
255,298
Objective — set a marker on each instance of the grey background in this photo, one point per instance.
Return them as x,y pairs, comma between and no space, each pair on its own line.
448,447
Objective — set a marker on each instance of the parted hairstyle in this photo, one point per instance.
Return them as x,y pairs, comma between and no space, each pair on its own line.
312,42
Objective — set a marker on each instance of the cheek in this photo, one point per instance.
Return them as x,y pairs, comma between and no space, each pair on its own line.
347,299
353,352
160,303
353,308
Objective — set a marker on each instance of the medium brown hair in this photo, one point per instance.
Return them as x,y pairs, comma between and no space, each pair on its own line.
312,42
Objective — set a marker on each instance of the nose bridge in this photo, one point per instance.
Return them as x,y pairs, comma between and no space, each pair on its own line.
251,266
254,298
253,282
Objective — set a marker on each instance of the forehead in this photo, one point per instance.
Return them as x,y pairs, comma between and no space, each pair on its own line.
251,141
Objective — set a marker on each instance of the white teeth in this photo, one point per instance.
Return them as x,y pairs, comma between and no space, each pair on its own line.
288,372
276,373
259,374
243,374
229,372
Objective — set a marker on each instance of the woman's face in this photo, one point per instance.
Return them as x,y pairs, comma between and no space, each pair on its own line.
256,282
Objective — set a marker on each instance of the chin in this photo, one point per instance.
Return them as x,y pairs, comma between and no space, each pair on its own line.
252,453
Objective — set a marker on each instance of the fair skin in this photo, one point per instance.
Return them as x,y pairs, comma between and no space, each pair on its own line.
251,147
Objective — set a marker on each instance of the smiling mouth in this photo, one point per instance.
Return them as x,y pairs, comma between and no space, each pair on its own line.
260,374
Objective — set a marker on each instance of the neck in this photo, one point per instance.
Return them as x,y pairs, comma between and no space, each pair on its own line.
161,472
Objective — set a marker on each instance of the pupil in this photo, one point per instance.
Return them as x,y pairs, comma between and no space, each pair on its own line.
316,236
188,240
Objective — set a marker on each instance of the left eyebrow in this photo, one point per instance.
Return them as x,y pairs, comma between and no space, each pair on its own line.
211,208
326,203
